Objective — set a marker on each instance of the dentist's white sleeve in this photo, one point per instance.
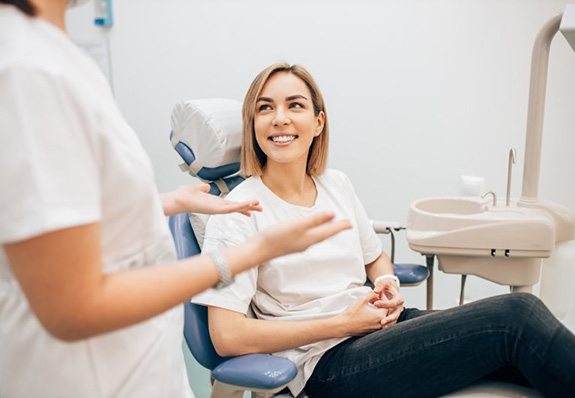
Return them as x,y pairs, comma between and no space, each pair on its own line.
48,167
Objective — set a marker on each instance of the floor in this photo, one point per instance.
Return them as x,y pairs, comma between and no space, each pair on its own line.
199,377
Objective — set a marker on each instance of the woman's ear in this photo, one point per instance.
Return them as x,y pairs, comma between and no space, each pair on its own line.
320,119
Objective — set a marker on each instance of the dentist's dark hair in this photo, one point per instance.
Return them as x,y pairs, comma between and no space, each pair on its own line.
23,5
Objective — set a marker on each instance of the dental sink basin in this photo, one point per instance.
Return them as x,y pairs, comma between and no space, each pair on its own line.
450,206
470,236
453,225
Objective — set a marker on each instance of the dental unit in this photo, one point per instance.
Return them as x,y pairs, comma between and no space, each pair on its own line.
505,243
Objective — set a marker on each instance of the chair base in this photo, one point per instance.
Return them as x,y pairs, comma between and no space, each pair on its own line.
221,390
495,389
482,389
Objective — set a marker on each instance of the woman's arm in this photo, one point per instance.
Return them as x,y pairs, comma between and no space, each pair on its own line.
61,275
233,334
197,199
381,266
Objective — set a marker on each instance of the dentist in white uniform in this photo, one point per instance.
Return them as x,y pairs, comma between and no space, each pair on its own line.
90,290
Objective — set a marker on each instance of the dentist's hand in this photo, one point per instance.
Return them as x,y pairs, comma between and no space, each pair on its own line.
197,199
296,236
390,299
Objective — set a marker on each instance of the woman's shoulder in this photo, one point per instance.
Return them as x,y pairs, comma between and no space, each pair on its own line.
234,227
246,190
333,177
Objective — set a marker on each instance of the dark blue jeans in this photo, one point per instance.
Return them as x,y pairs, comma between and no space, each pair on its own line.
512,337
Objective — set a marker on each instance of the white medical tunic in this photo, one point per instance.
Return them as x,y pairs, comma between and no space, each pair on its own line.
320,282
67,158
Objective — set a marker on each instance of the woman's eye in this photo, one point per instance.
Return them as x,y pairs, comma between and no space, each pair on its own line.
296,105
264,107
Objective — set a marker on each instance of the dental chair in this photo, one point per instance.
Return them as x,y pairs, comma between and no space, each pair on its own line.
218,122
263,374
212,128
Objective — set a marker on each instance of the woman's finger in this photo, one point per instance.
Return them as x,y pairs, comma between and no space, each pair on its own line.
393,302
392,317
368,298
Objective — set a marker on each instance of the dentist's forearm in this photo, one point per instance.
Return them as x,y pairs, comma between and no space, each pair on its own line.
128,297
169,204
61,275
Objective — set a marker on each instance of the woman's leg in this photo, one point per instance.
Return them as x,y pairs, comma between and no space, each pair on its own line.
446,350
506,374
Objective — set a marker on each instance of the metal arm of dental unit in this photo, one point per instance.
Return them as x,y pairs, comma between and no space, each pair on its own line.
510,163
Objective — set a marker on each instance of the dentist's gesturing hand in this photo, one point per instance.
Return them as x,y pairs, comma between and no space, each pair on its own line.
197,199
298,235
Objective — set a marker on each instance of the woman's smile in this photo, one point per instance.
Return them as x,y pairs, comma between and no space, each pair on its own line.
283,139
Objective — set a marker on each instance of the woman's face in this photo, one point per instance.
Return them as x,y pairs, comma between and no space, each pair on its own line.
284,122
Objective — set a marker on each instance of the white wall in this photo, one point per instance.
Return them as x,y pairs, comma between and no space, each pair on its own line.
418,92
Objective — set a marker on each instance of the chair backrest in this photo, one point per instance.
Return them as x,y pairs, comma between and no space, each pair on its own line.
196,330
207,136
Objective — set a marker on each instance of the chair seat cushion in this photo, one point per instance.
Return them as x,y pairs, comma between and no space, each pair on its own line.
410,274
255,371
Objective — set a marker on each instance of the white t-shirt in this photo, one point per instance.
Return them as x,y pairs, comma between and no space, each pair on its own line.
68,158
320,282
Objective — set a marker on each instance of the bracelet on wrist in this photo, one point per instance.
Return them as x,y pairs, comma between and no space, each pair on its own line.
386,276
224,273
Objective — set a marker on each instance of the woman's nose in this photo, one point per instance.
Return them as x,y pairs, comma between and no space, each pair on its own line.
280,117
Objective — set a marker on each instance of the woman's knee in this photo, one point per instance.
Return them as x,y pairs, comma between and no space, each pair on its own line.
521,305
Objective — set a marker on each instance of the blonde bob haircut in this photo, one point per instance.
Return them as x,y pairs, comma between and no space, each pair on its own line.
253,159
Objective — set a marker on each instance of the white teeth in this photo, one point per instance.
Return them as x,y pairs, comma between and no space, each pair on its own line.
283,138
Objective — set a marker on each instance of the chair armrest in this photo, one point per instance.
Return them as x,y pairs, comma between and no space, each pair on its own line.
256,371
383,227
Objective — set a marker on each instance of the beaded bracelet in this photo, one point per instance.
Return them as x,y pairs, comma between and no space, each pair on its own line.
226,278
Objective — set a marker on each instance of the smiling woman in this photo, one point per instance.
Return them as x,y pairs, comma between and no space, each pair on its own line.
314,308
